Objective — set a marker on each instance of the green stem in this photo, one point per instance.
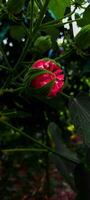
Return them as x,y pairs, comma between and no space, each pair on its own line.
65,55
23,54
22,150
65,95
5,57
76,161
39,4
7,82
31,39
5,68
43,27
31,21
40,18
59,20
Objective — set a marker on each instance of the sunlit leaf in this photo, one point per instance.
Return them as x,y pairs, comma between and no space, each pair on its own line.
58,7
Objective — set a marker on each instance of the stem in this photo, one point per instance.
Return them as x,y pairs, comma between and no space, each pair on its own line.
76,161
23,54
7,82
5,68
22,150
65,55
30,40
39,4
40,18
43,27
67,96
31,22
71,26
5,57
59,20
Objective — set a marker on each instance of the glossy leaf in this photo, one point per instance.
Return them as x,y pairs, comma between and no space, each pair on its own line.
58,7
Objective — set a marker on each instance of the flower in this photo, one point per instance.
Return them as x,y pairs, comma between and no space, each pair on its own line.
56,76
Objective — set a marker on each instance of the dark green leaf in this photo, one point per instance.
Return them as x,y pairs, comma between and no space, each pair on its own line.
17,32
65,167
80,113
15,6
85,19
55,132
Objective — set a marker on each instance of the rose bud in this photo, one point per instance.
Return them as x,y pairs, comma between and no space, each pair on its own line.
53,73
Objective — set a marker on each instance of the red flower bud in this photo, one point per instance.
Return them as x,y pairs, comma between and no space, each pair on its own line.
56,75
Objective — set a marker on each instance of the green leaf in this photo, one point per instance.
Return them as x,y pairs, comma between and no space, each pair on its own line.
85,19
80,113
15,6
61,147
82,39
58,7
66,168
17,32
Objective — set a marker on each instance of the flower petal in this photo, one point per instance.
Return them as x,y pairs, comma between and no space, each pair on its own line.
42,80
39,64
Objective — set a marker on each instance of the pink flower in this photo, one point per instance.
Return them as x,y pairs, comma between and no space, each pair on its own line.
56,75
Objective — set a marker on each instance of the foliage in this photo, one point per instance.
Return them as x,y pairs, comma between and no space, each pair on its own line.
36,131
